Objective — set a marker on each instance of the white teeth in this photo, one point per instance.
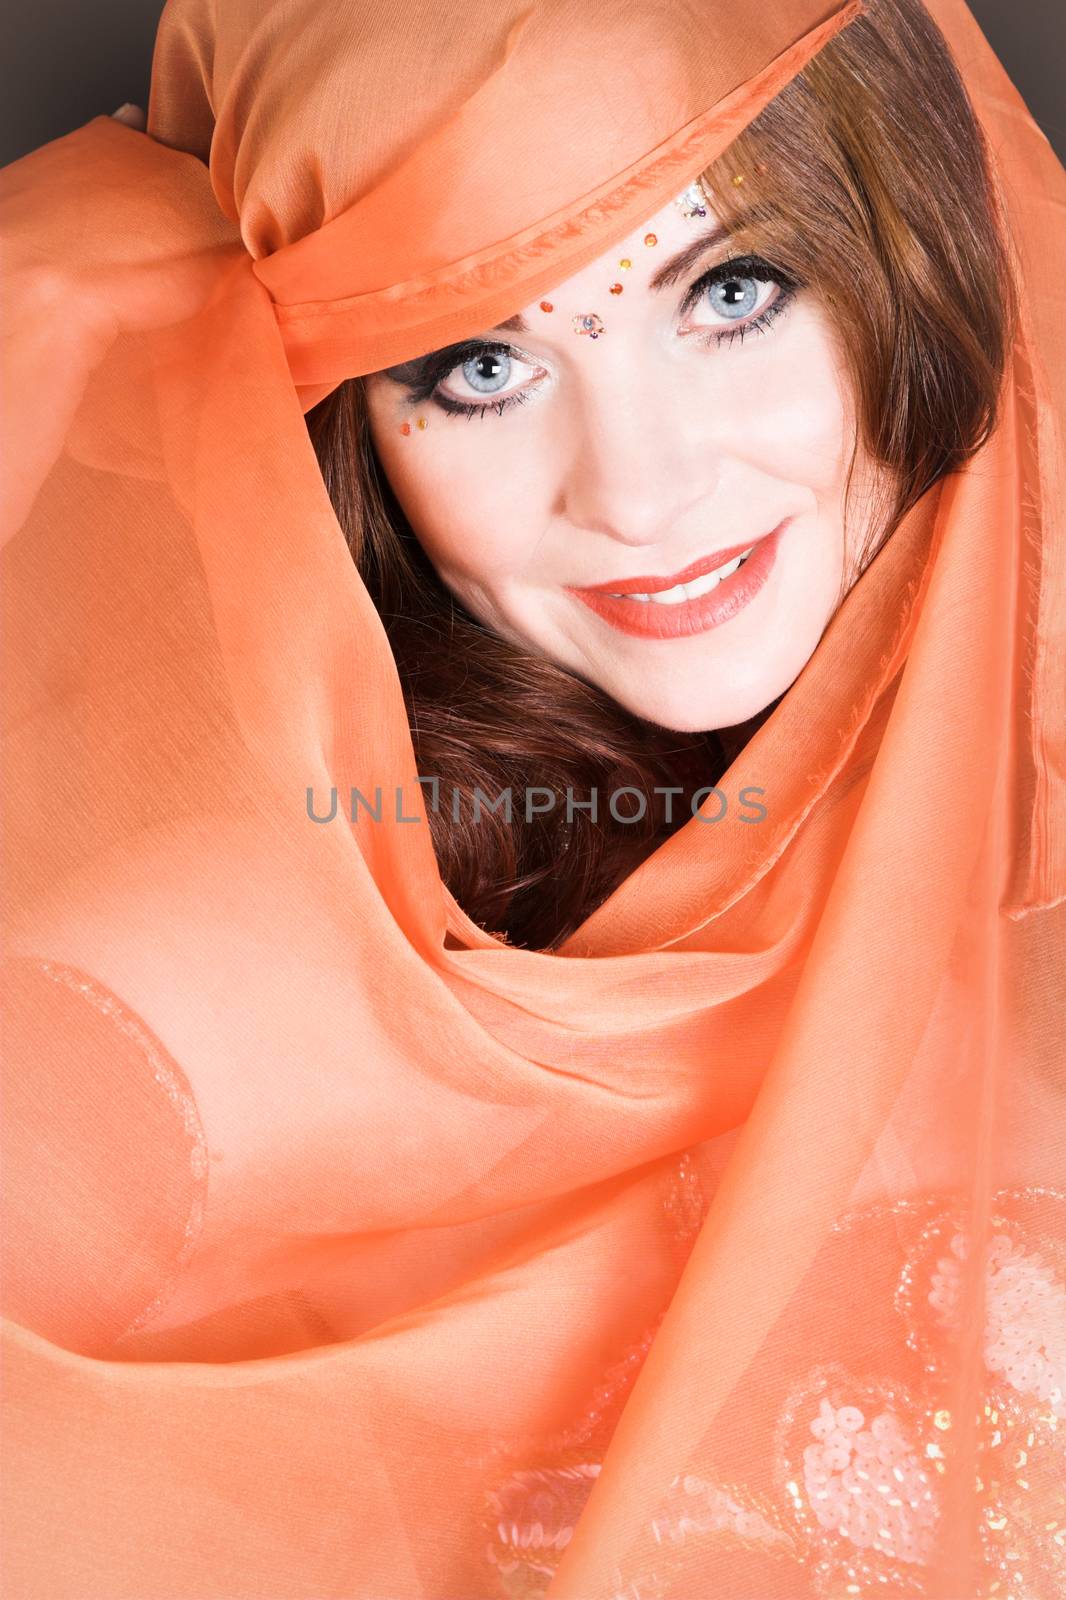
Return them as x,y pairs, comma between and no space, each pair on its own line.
672,597
709,581
690,591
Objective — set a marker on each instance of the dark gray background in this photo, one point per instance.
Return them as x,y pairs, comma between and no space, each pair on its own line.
69,60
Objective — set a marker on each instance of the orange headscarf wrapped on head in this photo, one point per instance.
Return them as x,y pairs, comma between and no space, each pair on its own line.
350,1252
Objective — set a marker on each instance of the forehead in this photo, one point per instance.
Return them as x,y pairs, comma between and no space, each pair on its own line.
658,253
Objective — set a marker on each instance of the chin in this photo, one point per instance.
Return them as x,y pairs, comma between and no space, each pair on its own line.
701,714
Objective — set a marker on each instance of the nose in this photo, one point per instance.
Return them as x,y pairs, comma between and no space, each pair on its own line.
636,463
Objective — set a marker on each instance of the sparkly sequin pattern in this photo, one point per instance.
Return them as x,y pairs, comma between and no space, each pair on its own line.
852,1493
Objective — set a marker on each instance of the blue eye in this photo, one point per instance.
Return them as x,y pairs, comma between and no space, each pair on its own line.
734,297
488,372
744,296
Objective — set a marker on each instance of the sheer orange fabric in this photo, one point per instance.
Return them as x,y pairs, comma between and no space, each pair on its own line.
349,1252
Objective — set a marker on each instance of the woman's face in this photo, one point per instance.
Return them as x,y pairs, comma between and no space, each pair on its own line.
705,413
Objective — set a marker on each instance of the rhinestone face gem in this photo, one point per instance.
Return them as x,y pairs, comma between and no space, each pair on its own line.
588,323
691,202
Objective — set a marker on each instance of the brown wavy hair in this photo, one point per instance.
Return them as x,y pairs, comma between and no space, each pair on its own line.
867,181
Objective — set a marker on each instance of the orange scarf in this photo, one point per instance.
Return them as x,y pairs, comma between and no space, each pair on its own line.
350,1252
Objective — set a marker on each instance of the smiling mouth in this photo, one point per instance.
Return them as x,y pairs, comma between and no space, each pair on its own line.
680,592
691,583
701,597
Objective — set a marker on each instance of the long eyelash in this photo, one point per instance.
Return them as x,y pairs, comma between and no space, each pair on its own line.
465,408
759,324
762,271
737,267
421,377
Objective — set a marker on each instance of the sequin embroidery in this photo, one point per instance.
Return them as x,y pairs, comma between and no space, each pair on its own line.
857,1462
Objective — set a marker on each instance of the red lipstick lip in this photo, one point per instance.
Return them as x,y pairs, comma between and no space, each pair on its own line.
656,585
646,619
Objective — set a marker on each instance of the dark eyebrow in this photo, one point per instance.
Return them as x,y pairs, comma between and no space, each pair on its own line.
678,265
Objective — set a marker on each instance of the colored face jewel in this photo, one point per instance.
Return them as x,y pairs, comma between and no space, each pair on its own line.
616,288
691,202
422,423
546,305
625,263
405,427
651,238
589,323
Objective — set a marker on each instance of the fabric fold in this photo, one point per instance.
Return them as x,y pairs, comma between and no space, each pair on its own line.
353,1251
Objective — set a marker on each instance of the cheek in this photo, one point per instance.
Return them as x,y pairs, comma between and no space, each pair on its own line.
473,508
796,394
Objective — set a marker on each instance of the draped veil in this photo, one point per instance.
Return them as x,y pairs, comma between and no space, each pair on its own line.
348,1251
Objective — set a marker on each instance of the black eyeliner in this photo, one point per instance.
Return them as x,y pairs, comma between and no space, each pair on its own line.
422,375
756,267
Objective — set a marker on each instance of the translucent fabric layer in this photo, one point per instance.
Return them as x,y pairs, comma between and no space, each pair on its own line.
350,1252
